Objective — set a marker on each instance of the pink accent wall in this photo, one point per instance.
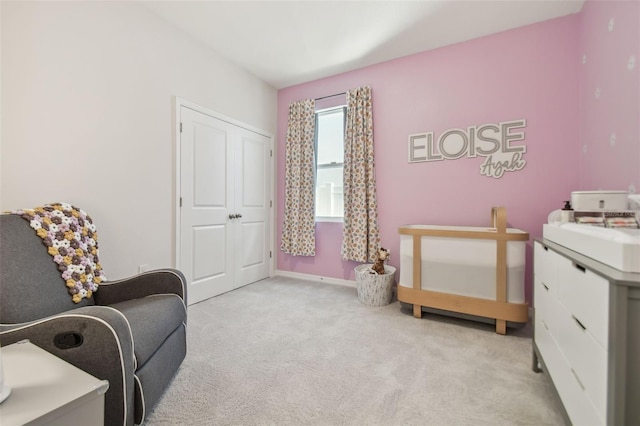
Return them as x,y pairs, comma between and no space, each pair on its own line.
610,96
530,73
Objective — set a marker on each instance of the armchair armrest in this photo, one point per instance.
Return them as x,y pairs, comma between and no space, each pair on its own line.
95,339
159,281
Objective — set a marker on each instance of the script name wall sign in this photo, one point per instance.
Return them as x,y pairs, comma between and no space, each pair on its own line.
493,141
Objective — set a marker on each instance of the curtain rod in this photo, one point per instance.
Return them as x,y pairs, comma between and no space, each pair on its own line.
331,96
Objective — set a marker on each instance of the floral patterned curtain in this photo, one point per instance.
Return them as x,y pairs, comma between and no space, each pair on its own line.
361,236
298,230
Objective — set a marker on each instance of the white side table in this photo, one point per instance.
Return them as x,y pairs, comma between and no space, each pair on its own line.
48,390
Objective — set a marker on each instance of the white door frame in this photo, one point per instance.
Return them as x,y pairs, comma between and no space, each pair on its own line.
176,185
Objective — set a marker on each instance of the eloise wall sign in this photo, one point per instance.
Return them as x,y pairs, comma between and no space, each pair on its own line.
495,142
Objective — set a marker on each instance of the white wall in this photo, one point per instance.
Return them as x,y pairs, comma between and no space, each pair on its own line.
88,92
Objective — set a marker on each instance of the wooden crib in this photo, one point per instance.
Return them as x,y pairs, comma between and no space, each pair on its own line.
497,305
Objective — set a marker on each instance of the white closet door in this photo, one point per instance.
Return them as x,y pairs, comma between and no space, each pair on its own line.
206,185
225,185
252,197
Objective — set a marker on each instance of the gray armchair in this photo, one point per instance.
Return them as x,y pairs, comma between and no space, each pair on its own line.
132,332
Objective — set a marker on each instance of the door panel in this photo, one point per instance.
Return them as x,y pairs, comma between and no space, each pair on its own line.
208,256
252,201
205,185
253,159
210,167
253,236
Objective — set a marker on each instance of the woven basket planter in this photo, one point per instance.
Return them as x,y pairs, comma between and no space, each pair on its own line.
374,289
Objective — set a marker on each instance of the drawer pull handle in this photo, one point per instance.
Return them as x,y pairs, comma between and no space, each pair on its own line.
577,379
578,322
545,286
580,267
545,248
545,324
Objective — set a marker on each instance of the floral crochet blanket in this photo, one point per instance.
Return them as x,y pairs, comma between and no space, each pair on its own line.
71,239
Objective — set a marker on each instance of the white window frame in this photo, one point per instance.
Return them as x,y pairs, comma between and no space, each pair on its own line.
339,219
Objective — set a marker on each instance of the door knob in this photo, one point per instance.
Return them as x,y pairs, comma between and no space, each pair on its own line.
232,216
238,215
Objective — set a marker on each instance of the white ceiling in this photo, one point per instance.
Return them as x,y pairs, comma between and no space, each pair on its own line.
290,42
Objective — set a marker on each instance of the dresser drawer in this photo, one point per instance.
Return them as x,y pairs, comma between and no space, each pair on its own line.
576,401
545,266
544,302
586,296
547,346
585,355
548,307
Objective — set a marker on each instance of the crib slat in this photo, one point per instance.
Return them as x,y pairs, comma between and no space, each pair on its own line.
488,234
417,272
499,221
516,312
501,281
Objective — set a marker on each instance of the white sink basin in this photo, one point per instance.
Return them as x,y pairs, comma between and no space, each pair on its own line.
618,248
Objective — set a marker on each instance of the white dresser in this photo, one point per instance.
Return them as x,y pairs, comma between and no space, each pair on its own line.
46,390
587,335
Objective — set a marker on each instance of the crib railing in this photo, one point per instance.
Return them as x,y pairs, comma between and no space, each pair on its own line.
499,309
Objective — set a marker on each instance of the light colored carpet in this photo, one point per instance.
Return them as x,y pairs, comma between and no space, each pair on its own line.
289,352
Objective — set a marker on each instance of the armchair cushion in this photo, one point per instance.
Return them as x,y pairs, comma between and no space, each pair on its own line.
72,241
149,329
32,287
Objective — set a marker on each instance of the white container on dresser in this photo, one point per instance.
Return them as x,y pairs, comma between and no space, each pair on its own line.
587,334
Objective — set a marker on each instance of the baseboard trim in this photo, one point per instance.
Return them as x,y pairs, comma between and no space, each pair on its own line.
317,278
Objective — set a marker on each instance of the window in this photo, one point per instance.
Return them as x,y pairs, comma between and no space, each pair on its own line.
329,163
